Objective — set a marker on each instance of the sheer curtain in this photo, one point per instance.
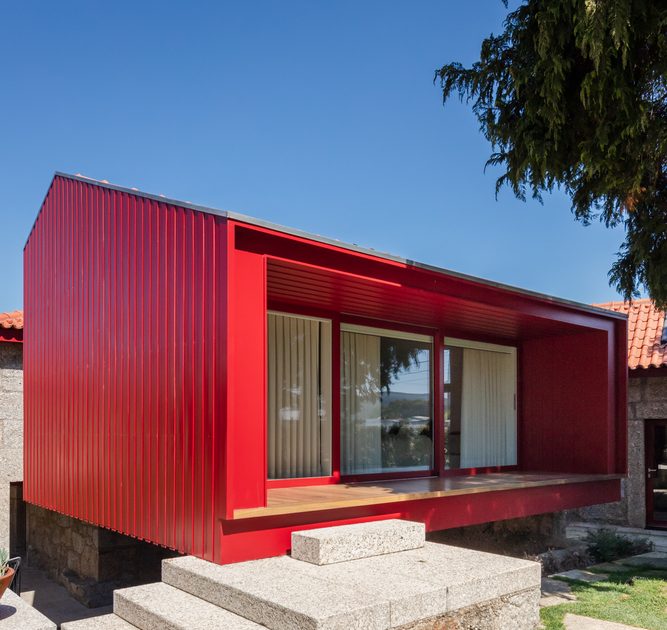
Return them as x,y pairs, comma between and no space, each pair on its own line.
488,417
299,397
361,425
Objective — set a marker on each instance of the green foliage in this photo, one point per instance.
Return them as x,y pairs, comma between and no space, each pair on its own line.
635,597
397,356
605,545
573,94
4,557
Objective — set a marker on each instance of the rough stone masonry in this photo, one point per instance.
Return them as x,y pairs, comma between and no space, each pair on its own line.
11,429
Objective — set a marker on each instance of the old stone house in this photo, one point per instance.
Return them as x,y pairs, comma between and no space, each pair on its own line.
644,491
12,510
644,502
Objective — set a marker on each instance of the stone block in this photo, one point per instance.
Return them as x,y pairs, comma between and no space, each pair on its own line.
582,575
328,545
579,622
634,390
518,611
15,613
655,389
11,356
88,564
12,434
409,600
73,562
102,622
265,592
556,588
390,590
653,559
654,410
11,405
11,380
162,607
11,464
77,542
470,576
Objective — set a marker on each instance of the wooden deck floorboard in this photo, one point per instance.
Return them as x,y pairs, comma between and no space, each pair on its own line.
314,498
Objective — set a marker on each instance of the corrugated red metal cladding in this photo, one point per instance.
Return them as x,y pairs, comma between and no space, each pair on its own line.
145,410
123,431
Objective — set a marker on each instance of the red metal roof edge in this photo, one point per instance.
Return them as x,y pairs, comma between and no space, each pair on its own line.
550,299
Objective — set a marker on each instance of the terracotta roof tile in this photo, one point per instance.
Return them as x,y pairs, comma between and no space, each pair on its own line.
12,320
646,326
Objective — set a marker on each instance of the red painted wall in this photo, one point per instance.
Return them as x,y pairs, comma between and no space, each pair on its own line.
568,394
145,362
124,364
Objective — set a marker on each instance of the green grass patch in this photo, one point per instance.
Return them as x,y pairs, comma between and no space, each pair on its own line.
630,597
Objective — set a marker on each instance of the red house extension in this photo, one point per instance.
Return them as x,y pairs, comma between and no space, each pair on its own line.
218,382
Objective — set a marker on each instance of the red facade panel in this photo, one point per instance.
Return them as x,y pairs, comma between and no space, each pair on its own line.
125,397
145,407
569,403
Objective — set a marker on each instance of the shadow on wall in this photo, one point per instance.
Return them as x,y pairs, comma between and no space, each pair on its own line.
89,561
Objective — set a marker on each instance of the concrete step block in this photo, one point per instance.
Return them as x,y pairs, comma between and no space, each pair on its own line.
103,622
471,577
17,613
162,607
328,545
270,593
410,600
387,591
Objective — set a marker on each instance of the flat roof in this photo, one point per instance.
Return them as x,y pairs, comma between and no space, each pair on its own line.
332,241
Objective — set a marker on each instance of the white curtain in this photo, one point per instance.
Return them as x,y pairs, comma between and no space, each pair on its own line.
299,397
488,417
361,424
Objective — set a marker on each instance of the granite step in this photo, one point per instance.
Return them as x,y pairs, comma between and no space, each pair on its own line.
162,607
103,622
385,591
272,594
328,545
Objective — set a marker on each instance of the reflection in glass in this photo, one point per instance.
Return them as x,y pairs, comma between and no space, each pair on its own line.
386,404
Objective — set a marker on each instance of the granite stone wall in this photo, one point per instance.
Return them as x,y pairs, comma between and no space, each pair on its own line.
11,430
89,561
647,400
520,537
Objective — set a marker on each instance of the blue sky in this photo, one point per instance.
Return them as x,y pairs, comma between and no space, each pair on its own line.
317,115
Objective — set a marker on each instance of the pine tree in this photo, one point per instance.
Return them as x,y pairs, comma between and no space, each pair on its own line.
573,95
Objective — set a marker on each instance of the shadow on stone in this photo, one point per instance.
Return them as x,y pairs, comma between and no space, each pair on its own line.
6,611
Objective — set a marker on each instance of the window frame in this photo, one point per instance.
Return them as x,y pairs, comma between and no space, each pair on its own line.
458,342
410,333
440,340
334,321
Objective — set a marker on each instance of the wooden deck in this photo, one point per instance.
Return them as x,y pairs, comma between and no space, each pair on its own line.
313,498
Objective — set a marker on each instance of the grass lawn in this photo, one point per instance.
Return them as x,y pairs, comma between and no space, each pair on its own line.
636,597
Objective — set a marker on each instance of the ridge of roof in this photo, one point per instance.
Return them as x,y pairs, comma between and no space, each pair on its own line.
242,218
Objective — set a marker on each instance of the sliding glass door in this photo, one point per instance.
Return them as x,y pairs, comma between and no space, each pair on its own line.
299,396
386,401
479,404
